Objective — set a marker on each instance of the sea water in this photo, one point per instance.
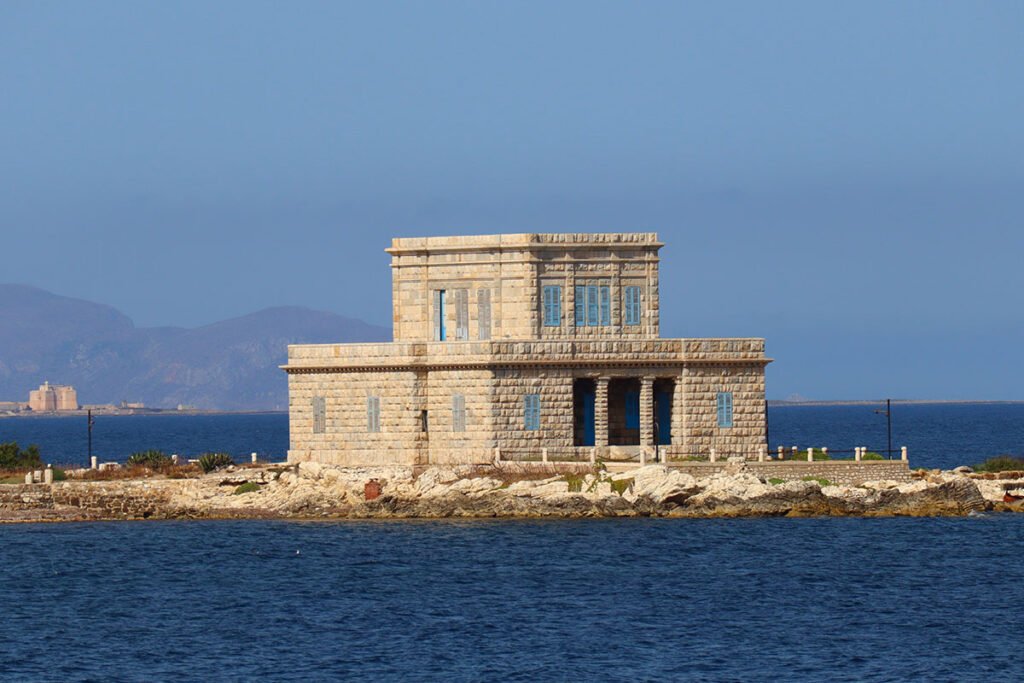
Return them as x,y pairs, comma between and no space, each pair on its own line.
602,599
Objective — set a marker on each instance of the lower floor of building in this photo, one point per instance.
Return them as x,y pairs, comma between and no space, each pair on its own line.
570,412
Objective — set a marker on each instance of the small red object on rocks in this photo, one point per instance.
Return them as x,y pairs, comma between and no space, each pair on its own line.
371,490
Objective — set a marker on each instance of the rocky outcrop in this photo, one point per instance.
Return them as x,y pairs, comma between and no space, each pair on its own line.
311,490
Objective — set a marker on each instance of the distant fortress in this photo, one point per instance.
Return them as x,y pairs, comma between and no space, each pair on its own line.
53,397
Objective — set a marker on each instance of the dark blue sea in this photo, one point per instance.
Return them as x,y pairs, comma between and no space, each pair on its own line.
626,600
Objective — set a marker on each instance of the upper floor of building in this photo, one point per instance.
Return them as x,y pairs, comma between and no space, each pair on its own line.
525,286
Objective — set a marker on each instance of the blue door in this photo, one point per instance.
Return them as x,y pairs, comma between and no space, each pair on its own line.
588,417
663,404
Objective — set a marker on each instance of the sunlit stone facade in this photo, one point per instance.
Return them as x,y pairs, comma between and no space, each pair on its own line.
526,347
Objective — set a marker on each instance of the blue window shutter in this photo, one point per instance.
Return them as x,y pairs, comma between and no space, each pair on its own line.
531,411
556,306
725,409
581,306
591,305
632,305
606,305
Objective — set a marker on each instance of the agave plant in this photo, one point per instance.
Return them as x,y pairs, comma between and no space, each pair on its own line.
209,462
153,459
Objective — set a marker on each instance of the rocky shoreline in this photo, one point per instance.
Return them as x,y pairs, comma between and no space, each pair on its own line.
314,491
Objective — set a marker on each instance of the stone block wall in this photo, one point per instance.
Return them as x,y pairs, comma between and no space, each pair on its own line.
845,472
346,439
556,412
476,443
700,385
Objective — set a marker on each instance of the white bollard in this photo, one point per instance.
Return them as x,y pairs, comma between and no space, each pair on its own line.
37,476
28,477
856,453
712,456
94,462
762,454
543,455
794,452
903,454
782,453
253,458
48,475
593,456
174,459
810,455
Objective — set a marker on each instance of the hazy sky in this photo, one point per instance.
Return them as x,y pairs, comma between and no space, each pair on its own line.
845,179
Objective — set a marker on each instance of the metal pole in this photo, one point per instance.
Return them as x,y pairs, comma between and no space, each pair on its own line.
89,413
888,420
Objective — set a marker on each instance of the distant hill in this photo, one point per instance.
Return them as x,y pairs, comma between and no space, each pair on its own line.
229,365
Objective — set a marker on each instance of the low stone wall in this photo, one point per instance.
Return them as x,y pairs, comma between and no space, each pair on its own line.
847,472
102,500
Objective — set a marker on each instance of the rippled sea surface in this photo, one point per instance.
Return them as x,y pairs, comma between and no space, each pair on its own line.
632,599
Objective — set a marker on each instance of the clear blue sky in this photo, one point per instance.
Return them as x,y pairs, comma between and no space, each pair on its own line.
843,178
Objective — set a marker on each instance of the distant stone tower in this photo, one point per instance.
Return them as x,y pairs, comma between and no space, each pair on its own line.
53,397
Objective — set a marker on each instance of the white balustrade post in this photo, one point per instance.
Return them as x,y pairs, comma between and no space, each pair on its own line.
544,455
794,452
253,458
94,462
856,453
712,455
48,475
810,455
28,477
762,454
782,453
593,456
903,454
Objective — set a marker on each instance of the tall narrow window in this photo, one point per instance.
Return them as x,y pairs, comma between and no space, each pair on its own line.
319,415
531,411
552,305
483,313
725,409
373,413
606,305
591,305
462,314
439,313
458,413
632,305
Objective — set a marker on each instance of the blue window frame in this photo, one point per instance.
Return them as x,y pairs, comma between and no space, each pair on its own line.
531,411
552,305
439,314
632,305
593,305
725,409
632,399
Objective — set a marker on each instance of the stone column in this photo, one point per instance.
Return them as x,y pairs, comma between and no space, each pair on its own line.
601,412
646,411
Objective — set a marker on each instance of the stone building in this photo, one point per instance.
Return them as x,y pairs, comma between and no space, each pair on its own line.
50,397
526,346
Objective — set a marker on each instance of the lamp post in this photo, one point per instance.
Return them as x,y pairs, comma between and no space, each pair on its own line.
89,413
888,424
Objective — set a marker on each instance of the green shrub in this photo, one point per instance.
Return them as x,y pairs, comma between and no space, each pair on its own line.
13,458
775,481
208,462
152,459
620,486
1001,463
575,482
871,455
247,487
821,482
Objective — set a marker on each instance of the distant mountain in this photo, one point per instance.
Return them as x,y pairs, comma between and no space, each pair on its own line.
229,365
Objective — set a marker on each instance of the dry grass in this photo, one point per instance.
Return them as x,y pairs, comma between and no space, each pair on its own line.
511,472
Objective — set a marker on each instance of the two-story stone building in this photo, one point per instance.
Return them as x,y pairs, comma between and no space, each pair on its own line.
525,344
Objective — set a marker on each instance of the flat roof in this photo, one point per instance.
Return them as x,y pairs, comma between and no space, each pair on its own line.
563,240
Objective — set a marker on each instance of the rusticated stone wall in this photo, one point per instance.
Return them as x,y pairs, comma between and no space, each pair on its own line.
845,472
700,387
